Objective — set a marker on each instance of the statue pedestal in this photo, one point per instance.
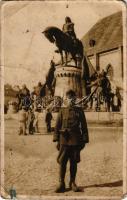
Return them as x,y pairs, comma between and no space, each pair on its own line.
68,77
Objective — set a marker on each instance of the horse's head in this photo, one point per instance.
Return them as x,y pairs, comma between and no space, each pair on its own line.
49,35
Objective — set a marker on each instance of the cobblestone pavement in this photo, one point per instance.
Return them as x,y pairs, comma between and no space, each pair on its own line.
30,163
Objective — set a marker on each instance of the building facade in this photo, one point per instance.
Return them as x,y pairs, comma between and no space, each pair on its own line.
103,45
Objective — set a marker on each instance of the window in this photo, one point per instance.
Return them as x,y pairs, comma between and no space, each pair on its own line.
92,43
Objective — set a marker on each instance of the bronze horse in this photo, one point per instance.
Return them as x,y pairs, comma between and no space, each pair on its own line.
64,43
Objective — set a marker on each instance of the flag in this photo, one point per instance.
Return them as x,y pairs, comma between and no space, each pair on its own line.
87,68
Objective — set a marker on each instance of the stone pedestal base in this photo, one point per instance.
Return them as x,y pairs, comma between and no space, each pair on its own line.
68,77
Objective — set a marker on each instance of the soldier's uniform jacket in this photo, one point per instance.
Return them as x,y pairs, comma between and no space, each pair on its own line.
71,126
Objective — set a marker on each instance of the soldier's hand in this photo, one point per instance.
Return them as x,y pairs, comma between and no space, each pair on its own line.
58,146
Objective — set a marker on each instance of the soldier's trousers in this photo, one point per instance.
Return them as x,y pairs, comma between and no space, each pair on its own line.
68,153
48,126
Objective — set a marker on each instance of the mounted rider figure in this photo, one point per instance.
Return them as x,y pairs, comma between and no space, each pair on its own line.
66,41
68,28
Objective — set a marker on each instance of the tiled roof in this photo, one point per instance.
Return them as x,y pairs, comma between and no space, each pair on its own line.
107,34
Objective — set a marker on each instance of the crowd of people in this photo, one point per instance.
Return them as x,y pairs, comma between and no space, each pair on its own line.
29,107
105,96
28,121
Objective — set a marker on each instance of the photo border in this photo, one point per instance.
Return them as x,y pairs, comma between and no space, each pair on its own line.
124,12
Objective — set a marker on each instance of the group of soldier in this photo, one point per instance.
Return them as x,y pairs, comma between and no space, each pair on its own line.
29,118
28,121
105,97
70,135
30,105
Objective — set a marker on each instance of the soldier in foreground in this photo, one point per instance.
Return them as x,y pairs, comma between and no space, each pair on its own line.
71,135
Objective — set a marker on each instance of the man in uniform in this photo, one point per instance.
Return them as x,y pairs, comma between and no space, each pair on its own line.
24,97
23,118
71,135
48,119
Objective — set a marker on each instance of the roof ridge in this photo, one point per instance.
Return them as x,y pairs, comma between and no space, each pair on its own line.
106,32
103,19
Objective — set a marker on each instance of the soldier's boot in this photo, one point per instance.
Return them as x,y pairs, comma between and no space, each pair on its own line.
73,186
73,171
61,187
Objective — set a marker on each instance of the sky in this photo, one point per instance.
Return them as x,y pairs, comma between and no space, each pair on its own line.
26,52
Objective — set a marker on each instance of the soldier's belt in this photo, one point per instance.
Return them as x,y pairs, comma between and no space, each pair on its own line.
64,131
68,130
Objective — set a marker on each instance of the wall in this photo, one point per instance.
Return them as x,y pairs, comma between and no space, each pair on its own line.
113,58
93,60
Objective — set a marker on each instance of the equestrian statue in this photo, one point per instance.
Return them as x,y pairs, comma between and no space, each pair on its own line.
65,40
67,43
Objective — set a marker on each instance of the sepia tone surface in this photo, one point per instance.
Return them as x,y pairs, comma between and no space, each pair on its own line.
30,161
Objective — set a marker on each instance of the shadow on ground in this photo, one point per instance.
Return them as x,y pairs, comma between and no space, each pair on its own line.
113,184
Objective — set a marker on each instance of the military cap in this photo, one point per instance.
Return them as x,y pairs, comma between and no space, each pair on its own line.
71,94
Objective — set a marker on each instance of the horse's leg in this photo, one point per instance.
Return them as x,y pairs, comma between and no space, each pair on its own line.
75,59
62,60
66,56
